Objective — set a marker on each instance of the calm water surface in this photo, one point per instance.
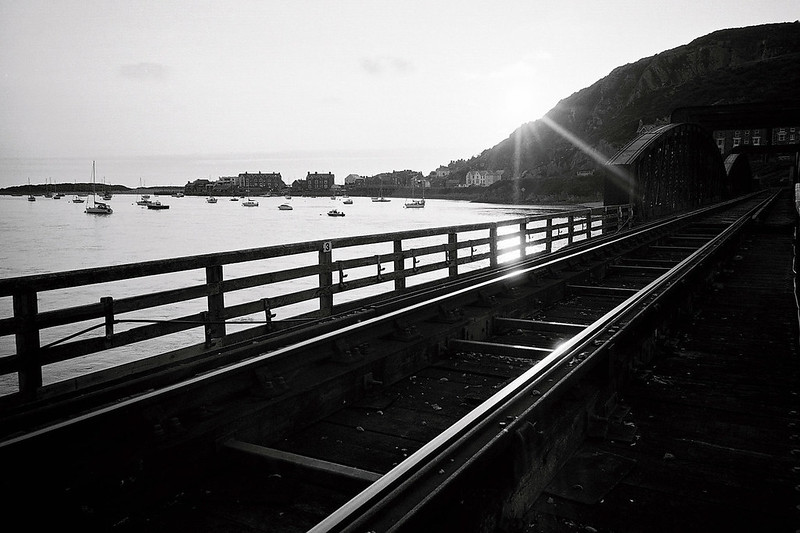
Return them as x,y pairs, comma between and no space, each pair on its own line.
56,235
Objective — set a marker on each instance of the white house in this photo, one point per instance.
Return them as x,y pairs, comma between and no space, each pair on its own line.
483,178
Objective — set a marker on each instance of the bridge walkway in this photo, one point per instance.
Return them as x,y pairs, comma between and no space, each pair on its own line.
707,438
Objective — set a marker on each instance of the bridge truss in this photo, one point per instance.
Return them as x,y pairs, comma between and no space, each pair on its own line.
671,168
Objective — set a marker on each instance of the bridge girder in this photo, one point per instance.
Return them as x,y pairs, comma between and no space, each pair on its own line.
669,169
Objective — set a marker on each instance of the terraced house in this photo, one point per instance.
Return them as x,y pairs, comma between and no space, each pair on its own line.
265,181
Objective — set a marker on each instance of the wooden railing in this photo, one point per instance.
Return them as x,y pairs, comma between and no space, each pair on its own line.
312,279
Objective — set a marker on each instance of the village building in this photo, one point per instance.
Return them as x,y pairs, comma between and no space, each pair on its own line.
483,178
316,181
354,180
727,140
265,181
200,186
246,181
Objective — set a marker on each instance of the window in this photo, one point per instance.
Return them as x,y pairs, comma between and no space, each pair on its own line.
736,141
756,141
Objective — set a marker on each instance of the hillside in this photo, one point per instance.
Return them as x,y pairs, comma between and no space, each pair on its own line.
752,64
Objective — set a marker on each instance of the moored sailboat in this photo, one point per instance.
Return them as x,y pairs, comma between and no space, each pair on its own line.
381,197
97,208
416,203
144,199
77,199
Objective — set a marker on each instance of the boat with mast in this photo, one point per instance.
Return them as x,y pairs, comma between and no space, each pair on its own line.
97,208
144,199
31,197
416,203
380,198
76,199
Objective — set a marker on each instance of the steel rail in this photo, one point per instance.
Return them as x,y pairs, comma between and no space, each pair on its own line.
355,513
221,373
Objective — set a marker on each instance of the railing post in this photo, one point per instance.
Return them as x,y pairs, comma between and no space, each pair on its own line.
523,240
28,343
399,266
326,279
452,249
548,245
216,303
493,245
588,224
570,229
108,311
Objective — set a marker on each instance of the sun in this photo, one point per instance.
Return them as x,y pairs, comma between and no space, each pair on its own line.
520,104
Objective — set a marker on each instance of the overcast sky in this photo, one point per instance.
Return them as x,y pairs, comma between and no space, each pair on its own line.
120,78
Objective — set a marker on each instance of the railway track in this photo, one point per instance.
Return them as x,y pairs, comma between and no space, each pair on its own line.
445,409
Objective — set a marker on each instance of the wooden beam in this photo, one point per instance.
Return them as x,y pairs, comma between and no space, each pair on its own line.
300,463
602,291
494,348
639,268
539,325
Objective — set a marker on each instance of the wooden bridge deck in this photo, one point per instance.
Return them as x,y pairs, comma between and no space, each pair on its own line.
708,438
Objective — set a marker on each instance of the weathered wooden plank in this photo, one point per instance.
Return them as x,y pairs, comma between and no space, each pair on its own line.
513,350
301,465
349,445
639,268
544,325
601,290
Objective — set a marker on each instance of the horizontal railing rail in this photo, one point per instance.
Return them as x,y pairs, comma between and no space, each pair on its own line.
318,273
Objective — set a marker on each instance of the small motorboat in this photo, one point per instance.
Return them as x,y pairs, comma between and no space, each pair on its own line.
285,207
347,201
250,203
157,205
211,200
335,213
